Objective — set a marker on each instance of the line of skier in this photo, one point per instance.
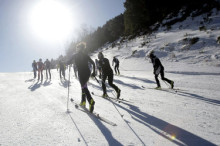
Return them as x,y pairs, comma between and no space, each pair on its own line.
86,67
39,67
82,62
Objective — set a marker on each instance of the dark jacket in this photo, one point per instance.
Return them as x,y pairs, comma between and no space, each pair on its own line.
116,61
47,64
81,61
105,66
34,65
156,64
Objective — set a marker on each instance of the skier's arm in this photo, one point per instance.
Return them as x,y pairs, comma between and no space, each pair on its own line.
93,64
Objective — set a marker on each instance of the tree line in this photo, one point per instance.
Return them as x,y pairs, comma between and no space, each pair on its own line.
138,17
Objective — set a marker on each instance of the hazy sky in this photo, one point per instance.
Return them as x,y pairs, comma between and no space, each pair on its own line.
33,29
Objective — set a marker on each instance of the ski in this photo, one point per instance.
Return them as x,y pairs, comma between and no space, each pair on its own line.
112,98
117,99
94,114
168,89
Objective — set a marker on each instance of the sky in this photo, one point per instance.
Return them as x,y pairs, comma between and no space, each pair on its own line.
30,30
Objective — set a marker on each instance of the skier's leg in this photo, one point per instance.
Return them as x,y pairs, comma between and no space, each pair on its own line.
35,74
64,74
60,73
118,69
115,70
46,74
103,84
157,81
41,75
49,73
38,74
110,82
165,79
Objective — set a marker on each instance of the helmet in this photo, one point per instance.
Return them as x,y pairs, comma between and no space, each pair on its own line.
40,59
100,55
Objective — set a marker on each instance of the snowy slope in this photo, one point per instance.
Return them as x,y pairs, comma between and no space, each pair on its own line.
34,113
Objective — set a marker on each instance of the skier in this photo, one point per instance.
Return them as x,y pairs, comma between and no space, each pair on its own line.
82,60
40,67
98,68
34,66
107,72
47,66
116,61
62,68
159,69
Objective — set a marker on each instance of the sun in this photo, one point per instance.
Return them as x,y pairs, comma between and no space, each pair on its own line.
51,20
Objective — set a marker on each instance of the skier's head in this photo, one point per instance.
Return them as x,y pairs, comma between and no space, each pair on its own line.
81,47
40,60
151,54
34,61
100,55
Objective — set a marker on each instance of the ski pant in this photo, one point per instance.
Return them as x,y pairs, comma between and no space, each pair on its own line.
48,70
35,73
83,79
162,77
62,72
110,82
117,69
40,73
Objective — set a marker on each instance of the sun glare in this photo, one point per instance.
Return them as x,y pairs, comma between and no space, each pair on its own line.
51,20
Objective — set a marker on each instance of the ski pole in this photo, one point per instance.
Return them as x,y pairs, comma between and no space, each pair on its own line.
68,92
97,80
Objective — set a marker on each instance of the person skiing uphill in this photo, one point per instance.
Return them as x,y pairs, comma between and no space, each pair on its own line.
34,66
107,72
159,69
40,67
82,60
116,61
47,67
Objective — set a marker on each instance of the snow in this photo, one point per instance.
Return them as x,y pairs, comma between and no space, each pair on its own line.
35,113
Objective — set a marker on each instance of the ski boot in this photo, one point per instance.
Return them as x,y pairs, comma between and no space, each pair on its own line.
91,105
105,95
83,104
158,88
172,84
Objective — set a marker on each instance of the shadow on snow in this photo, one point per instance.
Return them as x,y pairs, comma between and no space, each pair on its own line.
105,131
165,129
